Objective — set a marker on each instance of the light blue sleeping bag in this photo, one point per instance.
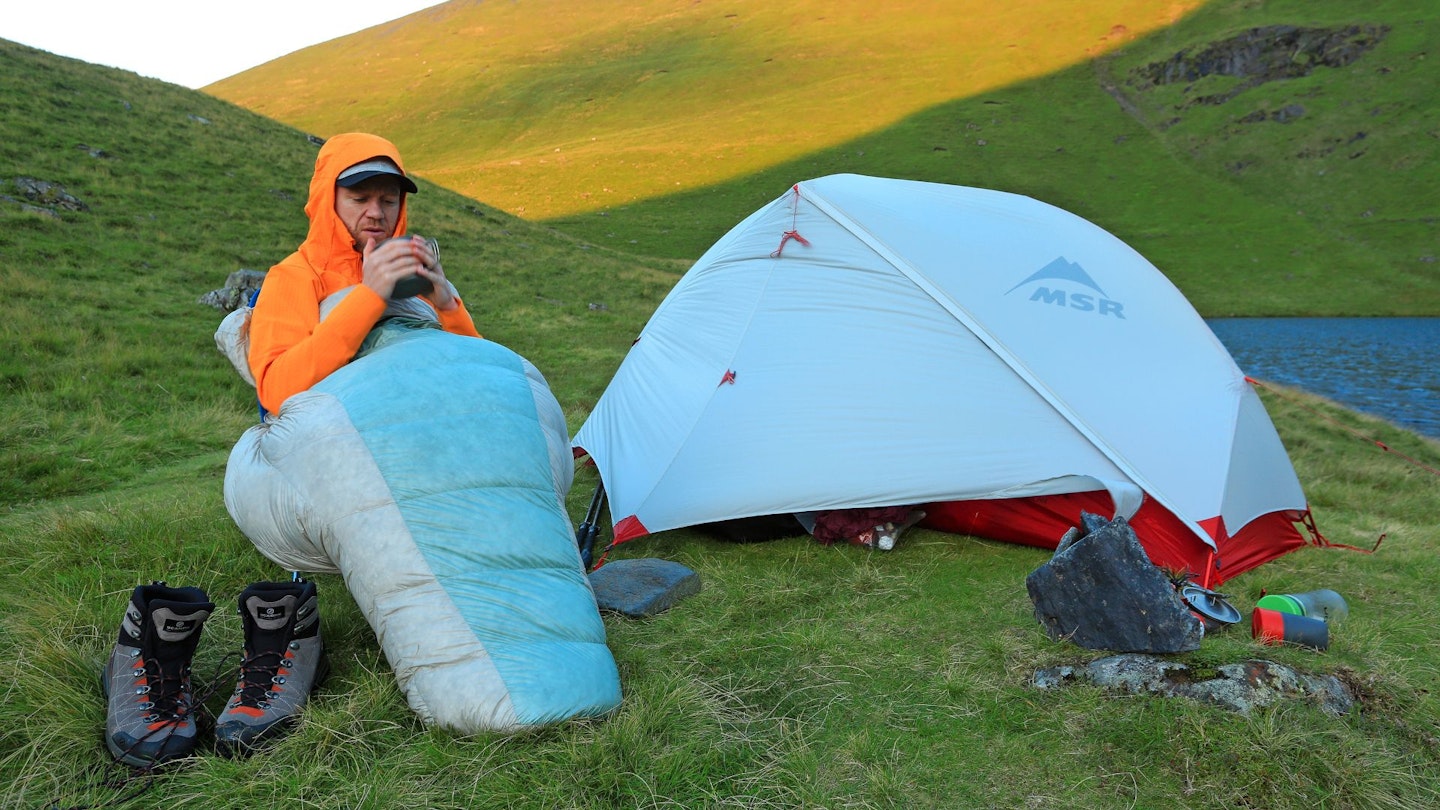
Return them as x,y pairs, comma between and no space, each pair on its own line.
431,473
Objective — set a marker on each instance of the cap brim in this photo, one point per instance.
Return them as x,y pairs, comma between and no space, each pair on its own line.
406,184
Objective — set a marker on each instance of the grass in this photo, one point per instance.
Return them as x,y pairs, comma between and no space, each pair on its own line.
655,127
800,676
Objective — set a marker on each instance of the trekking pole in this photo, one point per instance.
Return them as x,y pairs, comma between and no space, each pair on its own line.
590,528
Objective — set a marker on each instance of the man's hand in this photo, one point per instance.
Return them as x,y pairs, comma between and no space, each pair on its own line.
396,259
443,295
384,265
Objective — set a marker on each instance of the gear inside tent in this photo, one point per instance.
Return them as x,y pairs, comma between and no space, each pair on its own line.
864,342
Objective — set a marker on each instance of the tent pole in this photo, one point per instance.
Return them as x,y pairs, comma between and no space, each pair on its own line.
590,528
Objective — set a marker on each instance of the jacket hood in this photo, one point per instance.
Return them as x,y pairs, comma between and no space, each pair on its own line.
329,246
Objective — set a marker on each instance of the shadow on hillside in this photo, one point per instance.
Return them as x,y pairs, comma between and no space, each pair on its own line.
1204,178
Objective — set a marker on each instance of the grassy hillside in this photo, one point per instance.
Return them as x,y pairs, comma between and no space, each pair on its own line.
109,366
655,127
801,676
554,107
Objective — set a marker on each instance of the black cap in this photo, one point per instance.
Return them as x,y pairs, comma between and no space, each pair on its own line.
375,167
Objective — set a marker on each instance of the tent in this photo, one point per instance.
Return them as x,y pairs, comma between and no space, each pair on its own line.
864,342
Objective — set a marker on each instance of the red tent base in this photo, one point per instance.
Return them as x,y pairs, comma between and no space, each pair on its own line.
1042,520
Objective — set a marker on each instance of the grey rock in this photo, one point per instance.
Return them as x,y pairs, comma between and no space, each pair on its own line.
1240,687
49,195
1288,113
1269,53
1055,677
642,588
33,209
1101,591
239,286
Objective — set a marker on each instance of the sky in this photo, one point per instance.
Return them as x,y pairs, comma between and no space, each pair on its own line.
191,43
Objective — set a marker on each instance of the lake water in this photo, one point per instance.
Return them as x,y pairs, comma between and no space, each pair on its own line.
1387,367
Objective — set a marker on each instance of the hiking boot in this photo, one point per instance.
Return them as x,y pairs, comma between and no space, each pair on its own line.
149,717
284,660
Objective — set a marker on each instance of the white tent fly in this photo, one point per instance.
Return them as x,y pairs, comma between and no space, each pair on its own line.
865,342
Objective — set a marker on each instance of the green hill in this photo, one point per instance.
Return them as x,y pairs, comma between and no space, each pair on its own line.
800,676
1284,163
556,107
109,366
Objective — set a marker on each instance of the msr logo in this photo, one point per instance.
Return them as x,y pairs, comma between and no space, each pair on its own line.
1064,275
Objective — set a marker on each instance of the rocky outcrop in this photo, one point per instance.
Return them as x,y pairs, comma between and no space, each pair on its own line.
1240,687
239,286
1263,55
41,196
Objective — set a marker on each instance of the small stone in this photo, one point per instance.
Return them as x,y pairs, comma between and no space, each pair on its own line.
642,588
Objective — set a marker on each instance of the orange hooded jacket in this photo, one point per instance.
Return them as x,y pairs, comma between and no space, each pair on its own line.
291,349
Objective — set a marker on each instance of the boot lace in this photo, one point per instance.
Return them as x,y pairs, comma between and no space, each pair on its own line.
259,673
167,691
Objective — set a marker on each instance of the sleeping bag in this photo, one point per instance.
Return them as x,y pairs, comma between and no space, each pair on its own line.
431,473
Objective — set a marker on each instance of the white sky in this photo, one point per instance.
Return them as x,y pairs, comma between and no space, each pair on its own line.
190,42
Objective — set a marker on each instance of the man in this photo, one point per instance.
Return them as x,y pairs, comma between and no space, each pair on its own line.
357,201
431,473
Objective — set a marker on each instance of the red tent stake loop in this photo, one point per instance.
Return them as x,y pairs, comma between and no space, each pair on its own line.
794,232
786,237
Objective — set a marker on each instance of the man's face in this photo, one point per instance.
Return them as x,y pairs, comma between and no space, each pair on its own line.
370,210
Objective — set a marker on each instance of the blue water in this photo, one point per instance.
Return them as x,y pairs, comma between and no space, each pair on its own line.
1387,367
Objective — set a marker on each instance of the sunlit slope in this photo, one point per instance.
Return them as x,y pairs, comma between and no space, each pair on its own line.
1314,194
655,128
553,107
